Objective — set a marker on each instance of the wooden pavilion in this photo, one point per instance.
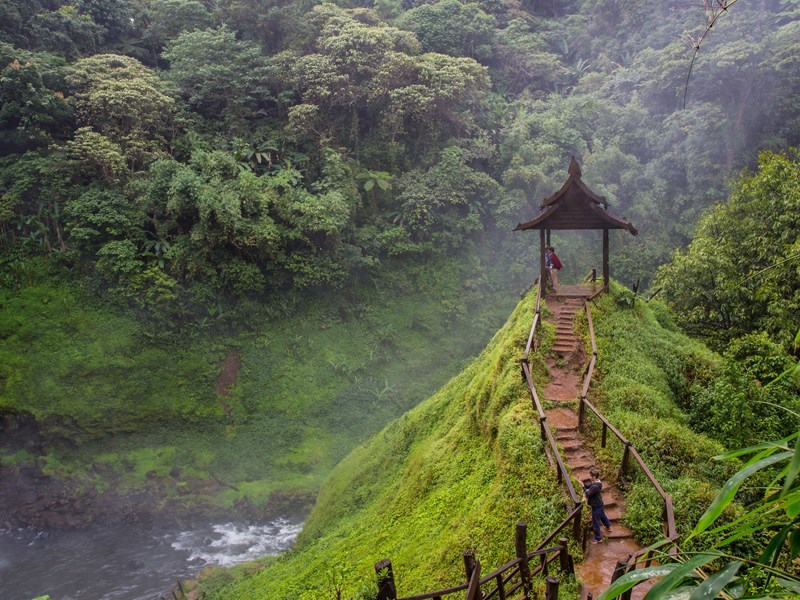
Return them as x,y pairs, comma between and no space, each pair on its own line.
574,207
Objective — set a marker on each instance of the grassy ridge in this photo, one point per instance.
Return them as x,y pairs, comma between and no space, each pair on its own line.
457,471
648,371
454,473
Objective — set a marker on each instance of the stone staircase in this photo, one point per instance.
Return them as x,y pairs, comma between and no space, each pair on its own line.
597,567
565,337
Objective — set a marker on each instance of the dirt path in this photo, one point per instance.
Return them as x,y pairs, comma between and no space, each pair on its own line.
564,388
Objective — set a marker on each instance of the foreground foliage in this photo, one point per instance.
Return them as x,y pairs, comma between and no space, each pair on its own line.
737,285
775,518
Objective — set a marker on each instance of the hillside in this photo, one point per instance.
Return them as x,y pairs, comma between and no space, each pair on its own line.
83,384
460,469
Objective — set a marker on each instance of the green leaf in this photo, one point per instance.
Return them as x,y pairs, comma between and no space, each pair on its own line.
712,586
627,581
681,593
790,584
794,544
680,573
739,533
773,549
729,491
765,446
384,185
794,469
793,505
369,184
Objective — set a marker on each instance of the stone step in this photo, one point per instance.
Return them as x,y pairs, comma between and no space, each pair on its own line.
576,454
617,534
570,444
563,348
614,515
583,462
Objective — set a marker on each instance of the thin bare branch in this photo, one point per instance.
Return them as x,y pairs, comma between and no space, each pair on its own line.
714,10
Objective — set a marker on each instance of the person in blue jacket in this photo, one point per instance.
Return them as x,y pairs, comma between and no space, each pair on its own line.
593,488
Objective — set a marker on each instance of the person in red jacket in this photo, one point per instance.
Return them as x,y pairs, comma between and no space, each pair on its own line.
552,264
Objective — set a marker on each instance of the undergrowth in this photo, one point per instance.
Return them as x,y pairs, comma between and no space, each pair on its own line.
116,407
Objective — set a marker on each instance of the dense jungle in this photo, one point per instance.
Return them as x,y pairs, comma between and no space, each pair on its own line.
257,266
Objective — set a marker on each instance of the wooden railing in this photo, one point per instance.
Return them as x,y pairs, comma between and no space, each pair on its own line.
561,469
537,315
517,575
668,511
507,581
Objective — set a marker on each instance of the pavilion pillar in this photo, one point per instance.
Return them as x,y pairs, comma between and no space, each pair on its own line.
605,258
542,278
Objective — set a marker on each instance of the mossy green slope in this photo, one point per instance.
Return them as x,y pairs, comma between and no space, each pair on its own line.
456,472
314,382
648,373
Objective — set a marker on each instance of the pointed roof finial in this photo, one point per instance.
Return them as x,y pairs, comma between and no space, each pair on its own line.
574,168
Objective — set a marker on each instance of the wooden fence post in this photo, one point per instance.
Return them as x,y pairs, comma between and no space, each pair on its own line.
624,466
551,591
565,564
469,563
619,570
576,523
580,412
521,547
386,587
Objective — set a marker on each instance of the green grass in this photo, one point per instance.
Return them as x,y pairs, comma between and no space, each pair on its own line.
647,372
455,473
116,408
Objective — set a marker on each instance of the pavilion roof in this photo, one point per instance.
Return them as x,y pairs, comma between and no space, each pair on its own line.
575,206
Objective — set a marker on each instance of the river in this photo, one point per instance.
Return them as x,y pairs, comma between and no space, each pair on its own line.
127,562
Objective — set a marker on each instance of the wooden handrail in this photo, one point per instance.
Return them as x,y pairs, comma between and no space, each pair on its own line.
669,510
591,326
512,566
606,422
537,405
474,589
536,317
575,512
437,593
